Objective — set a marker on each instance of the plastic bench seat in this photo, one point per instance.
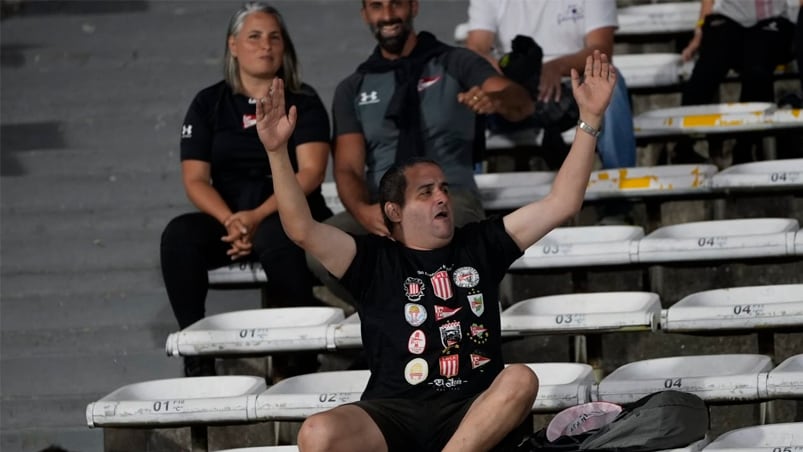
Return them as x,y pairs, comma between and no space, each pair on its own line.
256,331
785,437
786,379
561,385
714,378
664,180
298,397
238,273
347,334
799,243
658,18
737,308
514,189
178,401
581,246
498,190
782,174
648,70
583,313
720,239
715,119
788,116
522,138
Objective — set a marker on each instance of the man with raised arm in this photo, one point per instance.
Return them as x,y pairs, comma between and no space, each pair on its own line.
428,294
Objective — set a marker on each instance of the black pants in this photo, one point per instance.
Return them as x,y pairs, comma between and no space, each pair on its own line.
191,246
753,52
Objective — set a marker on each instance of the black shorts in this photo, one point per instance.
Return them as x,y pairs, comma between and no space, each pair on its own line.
423,426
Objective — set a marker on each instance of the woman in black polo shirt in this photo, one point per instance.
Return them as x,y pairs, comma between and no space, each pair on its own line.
226,174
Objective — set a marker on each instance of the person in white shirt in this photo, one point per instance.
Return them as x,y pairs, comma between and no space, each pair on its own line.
567,32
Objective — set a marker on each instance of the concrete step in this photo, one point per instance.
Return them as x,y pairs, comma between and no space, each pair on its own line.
113,340
72,438
127,191
83,373
60,283
91,255
72,225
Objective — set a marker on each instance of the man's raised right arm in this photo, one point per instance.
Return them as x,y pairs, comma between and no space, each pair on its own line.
334,248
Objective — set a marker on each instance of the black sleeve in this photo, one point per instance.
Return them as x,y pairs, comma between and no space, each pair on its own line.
492,245
197,129
468,67
313,121
362,266
344,116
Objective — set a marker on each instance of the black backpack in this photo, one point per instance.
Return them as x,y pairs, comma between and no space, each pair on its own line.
661,420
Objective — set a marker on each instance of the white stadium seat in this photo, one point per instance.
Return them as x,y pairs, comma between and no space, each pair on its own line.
178,401
497,190
347,334
581,246
737,308
658,18
238,273
728,378
781,174
583,313
647,70
663,180
720,239
715,119
799,243
299,397
561,385
786,437
514,189
786,379
256,331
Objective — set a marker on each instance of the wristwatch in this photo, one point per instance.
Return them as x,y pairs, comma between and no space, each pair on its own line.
585,127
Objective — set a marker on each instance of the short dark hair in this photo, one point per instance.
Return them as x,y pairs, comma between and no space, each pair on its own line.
394,183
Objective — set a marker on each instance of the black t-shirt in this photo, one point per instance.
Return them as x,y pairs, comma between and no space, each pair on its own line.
220,128
430,319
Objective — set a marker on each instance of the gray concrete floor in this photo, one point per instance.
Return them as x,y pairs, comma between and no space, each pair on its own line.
93,95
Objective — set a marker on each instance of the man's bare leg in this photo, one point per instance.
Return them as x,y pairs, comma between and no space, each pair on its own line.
497,411
345,428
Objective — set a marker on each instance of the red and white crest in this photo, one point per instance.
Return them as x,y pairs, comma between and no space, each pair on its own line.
441,285
466,277
413,289
450,365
